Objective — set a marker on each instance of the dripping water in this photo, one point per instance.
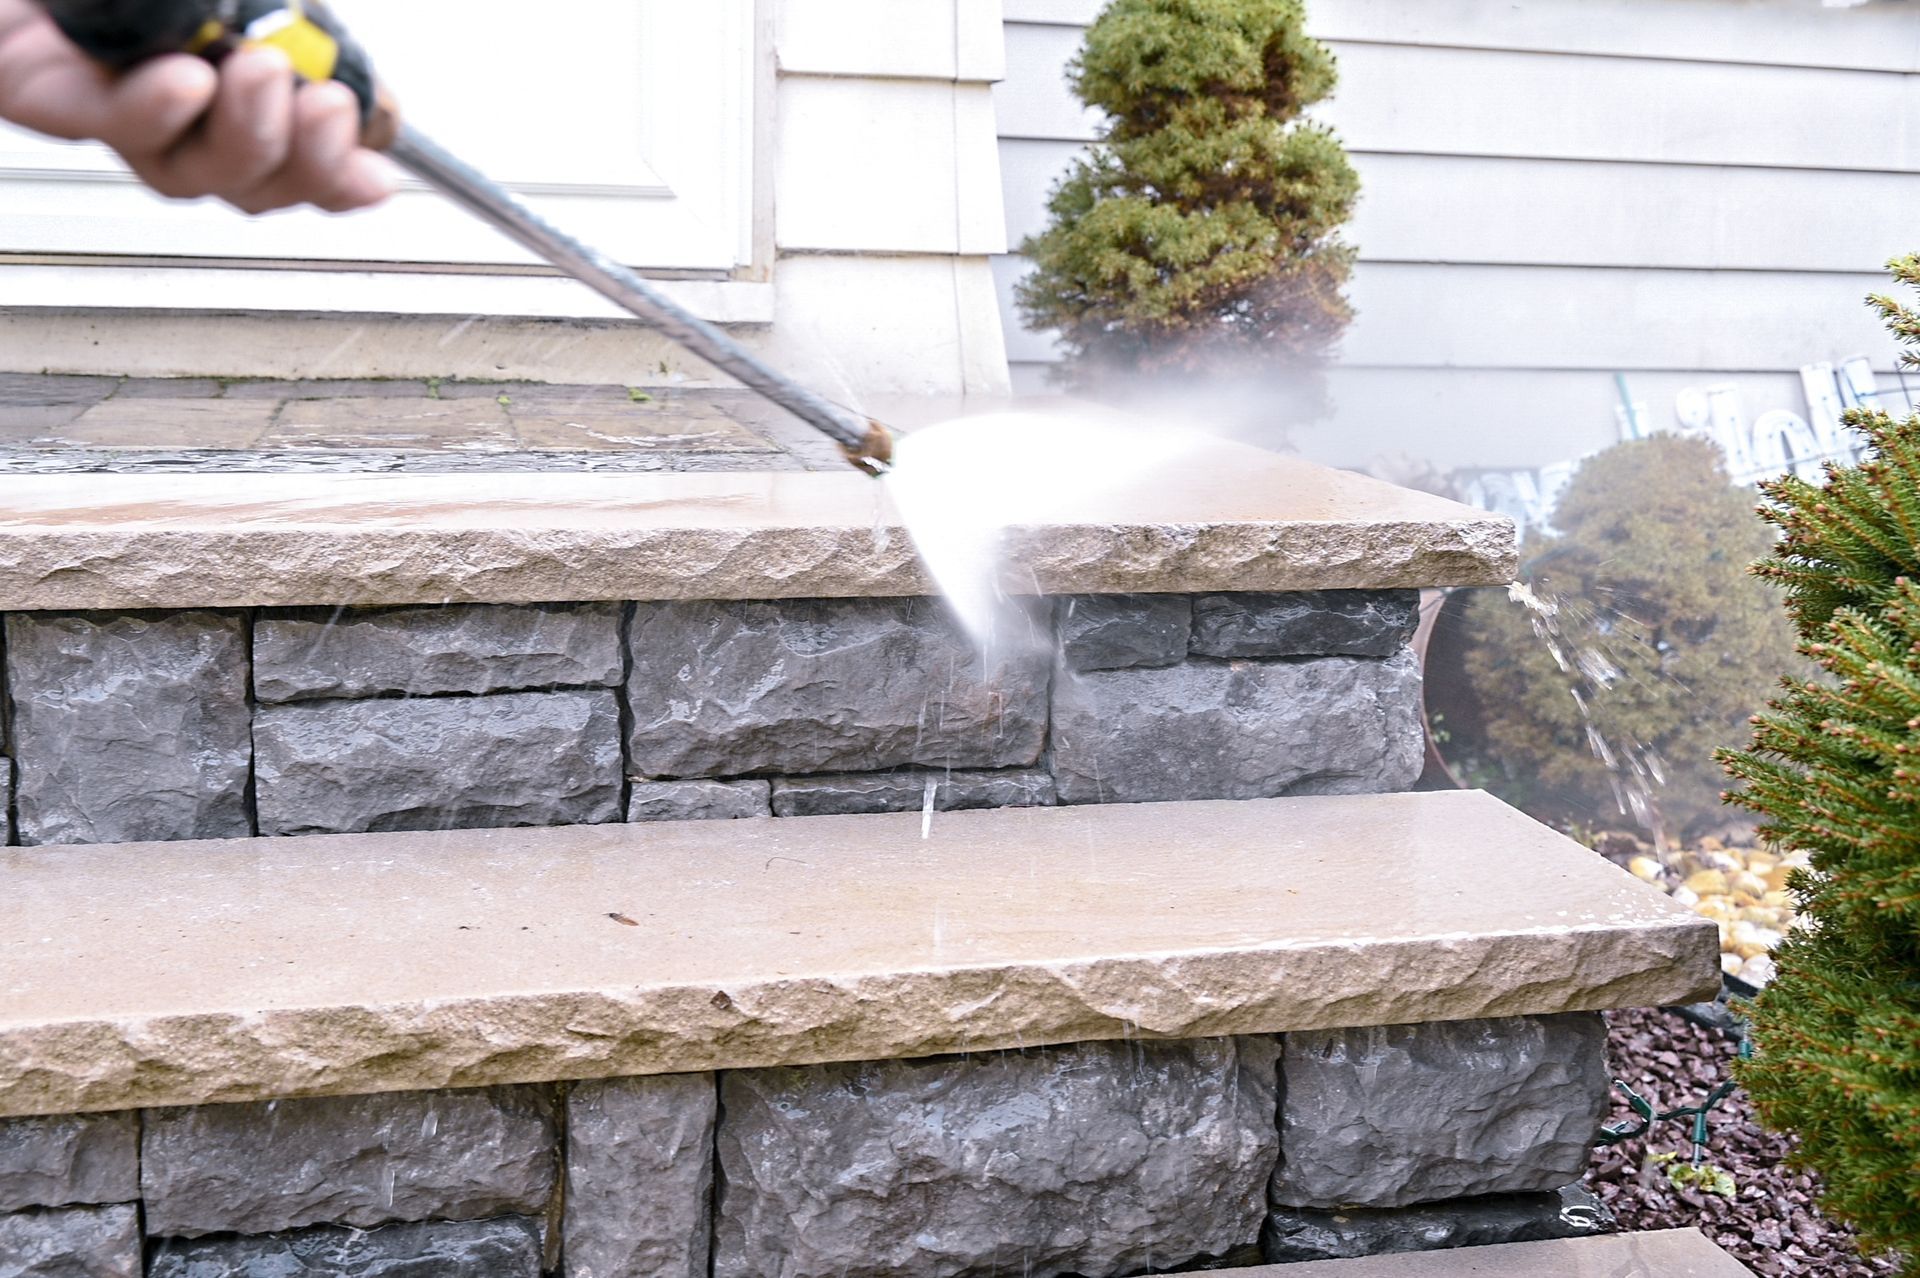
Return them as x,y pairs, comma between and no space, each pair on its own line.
1635,771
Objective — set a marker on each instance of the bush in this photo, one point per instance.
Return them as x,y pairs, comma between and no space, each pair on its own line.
1658,648
1834,769
1201,233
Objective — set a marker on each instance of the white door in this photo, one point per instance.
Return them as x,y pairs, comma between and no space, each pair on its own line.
627,122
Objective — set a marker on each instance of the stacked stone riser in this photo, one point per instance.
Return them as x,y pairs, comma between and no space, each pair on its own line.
1098,1159
207,724
1095,1159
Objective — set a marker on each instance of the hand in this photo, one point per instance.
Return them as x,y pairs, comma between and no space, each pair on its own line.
243,132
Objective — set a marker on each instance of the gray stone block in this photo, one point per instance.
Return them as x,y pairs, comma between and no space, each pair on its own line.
850,792
640,1177
263,1167
1307,623
1238,730
1096,1158
825,685
510,758
698,800
69,1158
1400,1114
421,651
77,1242
129,727
1295,1235
1118,632
503,1248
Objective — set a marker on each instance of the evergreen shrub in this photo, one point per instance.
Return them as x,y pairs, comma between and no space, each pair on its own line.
1201,234
1834,769
1653,648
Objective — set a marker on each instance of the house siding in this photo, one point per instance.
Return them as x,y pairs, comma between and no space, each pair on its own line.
878,210
887,213
1684,192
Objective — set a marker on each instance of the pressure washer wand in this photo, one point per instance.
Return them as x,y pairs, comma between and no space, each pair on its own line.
865,442
123,32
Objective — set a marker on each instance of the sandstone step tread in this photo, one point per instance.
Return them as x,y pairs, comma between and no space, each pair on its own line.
1667,1253
1235,518
183,973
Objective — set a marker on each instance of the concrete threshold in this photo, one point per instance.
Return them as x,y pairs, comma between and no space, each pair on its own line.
1225,518
1666,1253
137,975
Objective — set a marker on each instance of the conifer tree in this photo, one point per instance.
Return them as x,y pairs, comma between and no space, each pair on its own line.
1659,646
1834,769
1202,233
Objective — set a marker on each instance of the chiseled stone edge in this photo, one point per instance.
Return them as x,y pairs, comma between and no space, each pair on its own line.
131,567
195,1059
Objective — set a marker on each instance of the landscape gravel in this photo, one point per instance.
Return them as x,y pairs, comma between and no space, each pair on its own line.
1771,1224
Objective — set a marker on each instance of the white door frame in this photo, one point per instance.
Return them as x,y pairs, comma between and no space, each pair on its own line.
716,230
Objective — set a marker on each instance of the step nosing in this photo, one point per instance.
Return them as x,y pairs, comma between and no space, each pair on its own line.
1235,518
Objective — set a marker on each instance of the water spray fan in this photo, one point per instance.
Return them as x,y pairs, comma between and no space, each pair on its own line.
121,33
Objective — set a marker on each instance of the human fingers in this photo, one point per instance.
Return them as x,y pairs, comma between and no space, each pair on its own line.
245,137
325,165
241,132
15,14
50,86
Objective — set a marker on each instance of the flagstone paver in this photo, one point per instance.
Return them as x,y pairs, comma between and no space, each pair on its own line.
166,423
72,423
366,422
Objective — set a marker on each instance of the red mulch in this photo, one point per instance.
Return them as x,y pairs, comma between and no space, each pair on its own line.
1771,1223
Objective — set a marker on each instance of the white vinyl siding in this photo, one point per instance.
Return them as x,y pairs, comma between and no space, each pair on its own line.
887,203
1686,192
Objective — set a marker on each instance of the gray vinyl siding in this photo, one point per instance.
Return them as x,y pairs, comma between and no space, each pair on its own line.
1686,192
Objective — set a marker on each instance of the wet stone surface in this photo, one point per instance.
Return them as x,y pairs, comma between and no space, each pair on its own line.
470,648
348,421
32,407
376,460
843,937
54,423
352,1160
824,685
212,423
1117,632
639,1198
280,391
698,800
74,1242
68,1158
1098,1158
1308,623
1295,1234
855,792
504,1248
40,390
172,388
130,727
514,758
1237,730
1394,1115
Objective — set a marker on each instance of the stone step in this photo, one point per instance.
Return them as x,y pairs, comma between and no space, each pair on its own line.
1225,518
182,973
1666,1253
